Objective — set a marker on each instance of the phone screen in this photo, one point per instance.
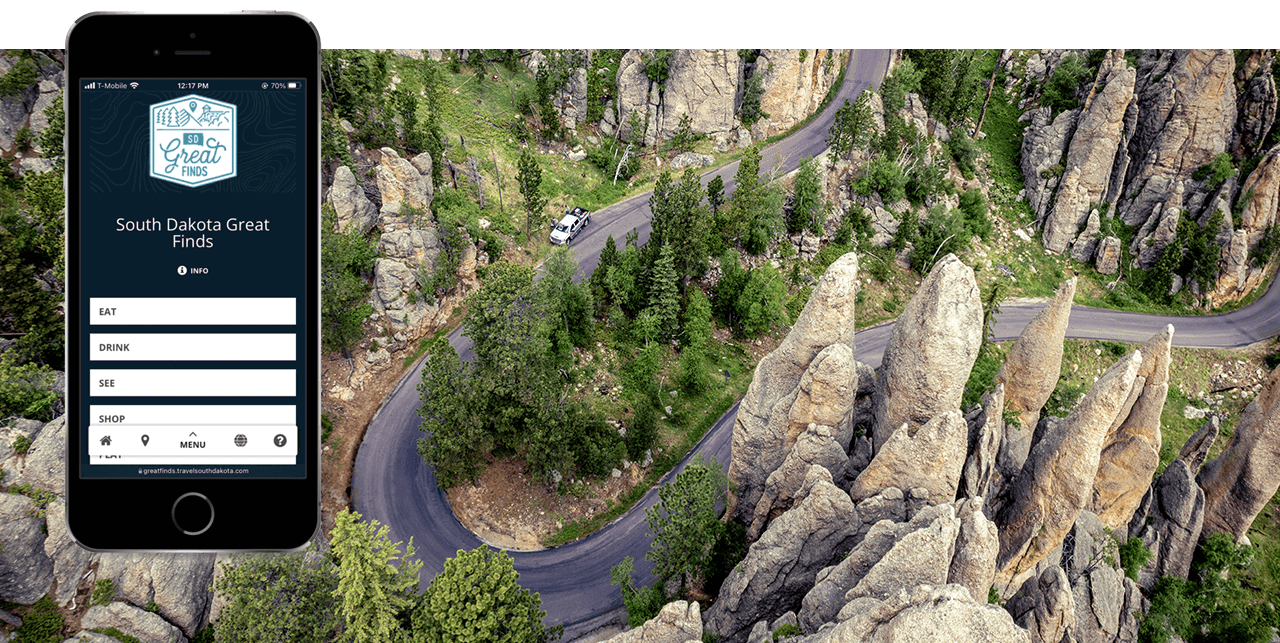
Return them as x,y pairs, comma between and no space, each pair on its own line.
192,267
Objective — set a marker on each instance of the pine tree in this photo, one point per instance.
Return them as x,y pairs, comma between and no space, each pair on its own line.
455,440
478,599
684,524
664,294
745,193
715,193
853,126
807,210
277,597
529,175
373,593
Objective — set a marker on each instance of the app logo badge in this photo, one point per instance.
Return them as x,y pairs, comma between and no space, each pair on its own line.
193,140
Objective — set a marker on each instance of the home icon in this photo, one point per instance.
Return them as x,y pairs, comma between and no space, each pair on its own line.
106,440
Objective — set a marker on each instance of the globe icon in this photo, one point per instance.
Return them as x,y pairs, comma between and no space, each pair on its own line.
241,440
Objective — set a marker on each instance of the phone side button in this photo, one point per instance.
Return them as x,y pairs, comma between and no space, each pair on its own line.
192,514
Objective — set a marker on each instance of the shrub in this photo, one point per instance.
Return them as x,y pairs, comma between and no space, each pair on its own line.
1217,602
884,177
643,429
941,233
19,77
751,96
1216,171
326,427
642,603
1133,556
981,377
658,67
964,151
787,630
104,590
609,156
1059,91
1267,245
974,207
42,623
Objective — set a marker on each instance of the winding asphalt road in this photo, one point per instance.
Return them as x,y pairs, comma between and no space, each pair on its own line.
392,485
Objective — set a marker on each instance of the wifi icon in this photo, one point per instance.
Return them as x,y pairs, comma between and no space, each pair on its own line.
133,85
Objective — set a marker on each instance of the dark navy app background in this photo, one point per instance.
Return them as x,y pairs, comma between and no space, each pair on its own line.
270,184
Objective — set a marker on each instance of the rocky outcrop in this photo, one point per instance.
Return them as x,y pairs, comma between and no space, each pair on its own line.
986,434
1056,482
1257,112
930,457
634,95
1107,258
179,584
926,613
69,558
1169,522
795,83
782,565
26,109
691,159
1091,155
1084,246
706,85
822,603
140,624
1100,128
1044,144
1243,478
1108,604
355,212
1160,229
25,572
1261,194
413,245
1187,107
678,622
816,446
1045,607
45,464
1070,208
1031,369
930,351
403,182
762,431
393,282
921,557
1131,451
977,545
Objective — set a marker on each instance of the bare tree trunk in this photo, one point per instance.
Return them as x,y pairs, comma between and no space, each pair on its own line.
991,85
497,178
618,168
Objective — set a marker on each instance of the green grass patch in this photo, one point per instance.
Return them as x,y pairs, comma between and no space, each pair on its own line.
1004,138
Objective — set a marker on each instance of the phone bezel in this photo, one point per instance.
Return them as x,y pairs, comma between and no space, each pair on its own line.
250,514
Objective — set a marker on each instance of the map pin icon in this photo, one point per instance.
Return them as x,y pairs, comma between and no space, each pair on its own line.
145,439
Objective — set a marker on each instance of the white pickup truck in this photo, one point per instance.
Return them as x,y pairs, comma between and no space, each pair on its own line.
574,221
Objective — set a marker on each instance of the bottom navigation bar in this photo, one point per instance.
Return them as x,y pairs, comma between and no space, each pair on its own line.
207,442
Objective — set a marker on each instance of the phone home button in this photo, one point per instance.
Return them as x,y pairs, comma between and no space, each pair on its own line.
192,514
